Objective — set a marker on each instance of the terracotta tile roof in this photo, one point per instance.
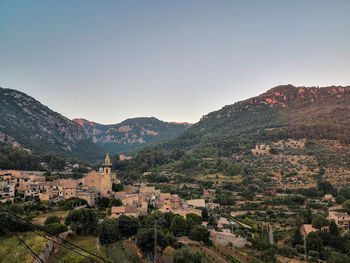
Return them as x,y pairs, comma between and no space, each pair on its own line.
118,209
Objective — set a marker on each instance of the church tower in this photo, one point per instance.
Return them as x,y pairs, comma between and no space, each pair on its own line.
107,166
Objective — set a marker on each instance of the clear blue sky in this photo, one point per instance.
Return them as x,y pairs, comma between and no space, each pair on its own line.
176,60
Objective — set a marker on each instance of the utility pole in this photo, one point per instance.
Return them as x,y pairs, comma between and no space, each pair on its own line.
155,241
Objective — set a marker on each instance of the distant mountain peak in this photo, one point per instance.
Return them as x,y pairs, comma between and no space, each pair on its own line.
83,122
131,133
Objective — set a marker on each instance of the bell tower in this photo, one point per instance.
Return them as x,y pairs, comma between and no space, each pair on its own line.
107,166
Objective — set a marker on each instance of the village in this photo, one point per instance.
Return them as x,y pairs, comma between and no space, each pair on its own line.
232,226
135,199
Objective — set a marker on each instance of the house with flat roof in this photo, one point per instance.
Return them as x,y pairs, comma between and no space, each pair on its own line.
340,218
195,203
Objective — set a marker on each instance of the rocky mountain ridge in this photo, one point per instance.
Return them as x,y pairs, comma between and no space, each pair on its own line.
26,123
130,134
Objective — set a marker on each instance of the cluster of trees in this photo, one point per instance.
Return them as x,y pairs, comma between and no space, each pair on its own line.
27,209
18,159
85,221
106,202
319,130
224,198
69,204
53,225
316,242
12,158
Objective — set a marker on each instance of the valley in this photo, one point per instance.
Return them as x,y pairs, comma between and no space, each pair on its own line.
261,180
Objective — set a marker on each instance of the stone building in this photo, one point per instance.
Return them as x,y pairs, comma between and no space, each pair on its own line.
225,238
341,219
101,182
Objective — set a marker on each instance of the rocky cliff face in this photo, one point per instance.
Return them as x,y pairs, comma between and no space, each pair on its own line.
26,123
131,133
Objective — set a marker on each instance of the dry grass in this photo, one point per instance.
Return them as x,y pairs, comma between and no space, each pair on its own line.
11,250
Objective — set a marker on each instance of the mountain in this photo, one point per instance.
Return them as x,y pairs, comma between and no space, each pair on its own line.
26,123
280,113
131,134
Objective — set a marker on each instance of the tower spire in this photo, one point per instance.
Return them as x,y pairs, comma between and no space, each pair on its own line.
107,165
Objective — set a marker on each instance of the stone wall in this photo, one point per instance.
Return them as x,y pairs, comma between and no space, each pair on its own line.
44,255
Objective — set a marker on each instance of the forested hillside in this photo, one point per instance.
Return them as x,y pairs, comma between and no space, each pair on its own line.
281,113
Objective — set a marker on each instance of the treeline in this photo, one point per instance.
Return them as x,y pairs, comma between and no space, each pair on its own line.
318,131
85,222
18,159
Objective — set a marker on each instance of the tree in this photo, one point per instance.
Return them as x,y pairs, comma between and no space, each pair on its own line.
319,221
176,154
145,240
299,221
117,187
314,254
340,199
128,226
16,208
200,233
178,226
115,202
346,206
71,203
345,191
273,151
232,169
313,242
56,228
226,199
108,231
103,202
337,257
297,238
248,194
326,187
52,219
333,229
193,220
187,256
205,214
168,217
307,216
212,222
82,221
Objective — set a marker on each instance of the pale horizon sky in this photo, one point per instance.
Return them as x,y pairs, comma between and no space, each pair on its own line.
107,61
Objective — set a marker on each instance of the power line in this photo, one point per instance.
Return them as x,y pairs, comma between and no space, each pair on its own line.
65,241
60,244
27,247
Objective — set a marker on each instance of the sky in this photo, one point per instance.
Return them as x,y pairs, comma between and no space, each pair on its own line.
109,60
